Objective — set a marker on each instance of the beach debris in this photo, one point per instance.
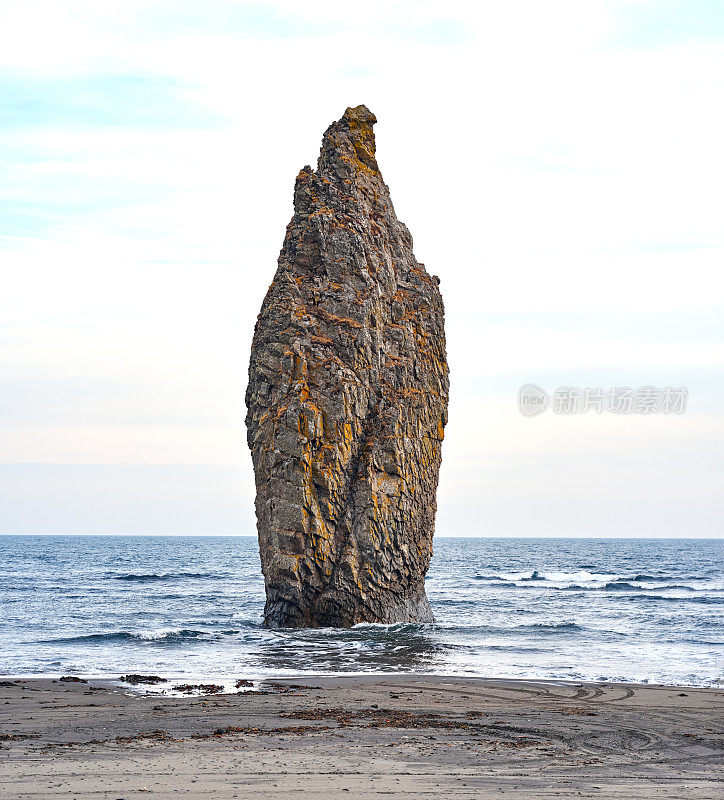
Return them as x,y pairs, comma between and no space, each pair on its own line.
230,729
161,736
288,687
507,736
203,688
135,680
243,682
347,401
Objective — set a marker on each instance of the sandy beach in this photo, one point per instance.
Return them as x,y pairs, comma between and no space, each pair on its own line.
360,737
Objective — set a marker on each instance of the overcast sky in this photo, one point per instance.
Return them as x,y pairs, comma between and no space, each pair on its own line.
558,163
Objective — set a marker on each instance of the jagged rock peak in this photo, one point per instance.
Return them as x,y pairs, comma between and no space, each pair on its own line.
347,400
353,133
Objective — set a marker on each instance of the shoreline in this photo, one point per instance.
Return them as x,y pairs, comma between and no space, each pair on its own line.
205,677
229,678
361,736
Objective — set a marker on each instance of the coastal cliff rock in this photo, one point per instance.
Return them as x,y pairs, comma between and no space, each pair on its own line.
347,401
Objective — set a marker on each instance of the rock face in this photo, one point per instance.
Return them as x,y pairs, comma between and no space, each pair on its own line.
347,401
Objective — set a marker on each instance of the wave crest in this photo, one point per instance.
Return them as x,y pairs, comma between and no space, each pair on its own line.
163,636
164,576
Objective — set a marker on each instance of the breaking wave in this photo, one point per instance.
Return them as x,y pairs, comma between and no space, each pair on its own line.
157,636
164,576
584,580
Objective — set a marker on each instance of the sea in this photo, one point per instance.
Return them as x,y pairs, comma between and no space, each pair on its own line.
641,610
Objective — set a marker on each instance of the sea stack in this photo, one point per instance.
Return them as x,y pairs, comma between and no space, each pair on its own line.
347,401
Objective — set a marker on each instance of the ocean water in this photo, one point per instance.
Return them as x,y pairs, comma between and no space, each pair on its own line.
574,609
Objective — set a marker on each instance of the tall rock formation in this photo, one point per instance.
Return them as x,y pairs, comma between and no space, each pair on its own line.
347,401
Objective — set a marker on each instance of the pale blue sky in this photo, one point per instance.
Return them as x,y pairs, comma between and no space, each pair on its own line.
559,165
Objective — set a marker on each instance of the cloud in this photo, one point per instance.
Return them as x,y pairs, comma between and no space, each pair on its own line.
99,100
558,163
661,23
124,499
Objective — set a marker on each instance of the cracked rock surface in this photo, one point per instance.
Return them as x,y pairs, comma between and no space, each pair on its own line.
347,401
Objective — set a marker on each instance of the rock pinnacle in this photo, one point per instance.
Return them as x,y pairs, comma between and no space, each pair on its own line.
347,401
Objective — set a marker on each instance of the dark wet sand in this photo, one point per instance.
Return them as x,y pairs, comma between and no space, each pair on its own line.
362,737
